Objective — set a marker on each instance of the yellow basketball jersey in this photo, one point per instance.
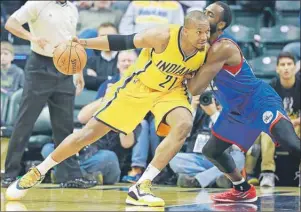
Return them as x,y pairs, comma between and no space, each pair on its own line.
166,70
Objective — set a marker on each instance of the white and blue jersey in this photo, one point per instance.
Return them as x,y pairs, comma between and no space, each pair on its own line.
250,106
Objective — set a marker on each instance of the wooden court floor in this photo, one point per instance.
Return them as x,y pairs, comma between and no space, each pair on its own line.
48,197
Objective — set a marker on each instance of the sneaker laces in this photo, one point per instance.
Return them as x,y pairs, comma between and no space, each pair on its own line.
270,176
31,178
146,187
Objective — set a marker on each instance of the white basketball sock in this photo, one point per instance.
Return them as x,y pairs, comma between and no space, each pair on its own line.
239,182
149,174
47,164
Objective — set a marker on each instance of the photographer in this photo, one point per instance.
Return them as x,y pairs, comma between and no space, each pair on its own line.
193,168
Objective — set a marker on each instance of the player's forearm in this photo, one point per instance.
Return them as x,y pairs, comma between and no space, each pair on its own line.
198,84
14,27
99,43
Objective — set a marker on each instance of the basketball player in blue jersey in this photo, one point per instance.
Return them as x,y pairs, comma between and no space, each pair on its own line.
250,106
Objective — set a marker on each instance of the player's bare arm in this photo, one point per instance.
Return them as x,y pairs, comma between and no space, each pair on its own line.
220,53
156,38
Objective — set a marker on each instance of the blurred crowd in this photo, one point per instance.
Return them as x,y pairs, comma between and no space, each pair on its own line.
119,158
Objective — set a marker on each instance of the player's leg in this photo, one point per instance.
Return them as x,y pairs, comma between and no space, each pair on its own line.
284,133
216,151
180,121
225,132
71,145
103,121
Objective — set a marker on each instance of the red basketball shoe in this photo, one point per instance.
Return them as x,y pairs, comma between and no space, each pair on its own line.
236,196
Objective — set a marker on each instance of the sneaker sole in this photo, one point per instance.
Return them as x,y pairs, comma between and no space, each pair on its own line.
131,201
13,193
228,200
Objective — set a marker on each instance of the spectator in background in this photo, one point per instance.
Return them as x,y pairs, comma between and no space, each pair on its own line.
99,12
194,169
103,65
294,49
287,85
141,15
83,5
12,76
124,60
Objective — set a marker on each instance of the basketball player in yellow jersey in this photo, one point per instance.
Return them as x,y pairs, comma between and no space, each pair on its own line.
154,83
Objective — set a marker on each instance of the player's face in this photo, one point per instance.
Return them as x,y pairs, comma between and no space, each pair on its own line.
125,60
286,68
213,12
199,34
6,57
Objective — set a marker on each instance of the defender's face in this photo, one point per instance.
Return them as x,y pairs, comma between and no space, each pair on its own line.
286,68
214,13
199,34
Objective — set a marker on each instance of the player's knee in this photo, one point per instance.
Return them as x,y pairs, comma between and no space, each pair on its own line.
285,134
183,128
209,151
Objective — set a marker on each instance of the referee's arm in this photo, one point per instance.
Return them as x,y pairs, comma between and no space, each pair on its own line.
15,27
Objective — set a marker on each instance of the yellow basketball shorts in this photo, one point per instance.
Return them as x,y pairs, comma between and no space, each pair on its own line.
128,101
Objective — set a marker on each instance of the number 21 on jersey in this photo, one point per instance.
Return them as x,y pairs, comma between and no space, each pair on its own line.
169,80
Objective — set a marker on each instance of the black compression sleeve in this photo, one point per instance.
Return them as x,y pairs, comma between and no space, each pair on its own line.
121,42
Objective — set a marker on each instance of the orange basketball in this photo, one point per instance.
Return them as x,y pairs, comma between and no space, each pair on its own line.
69,58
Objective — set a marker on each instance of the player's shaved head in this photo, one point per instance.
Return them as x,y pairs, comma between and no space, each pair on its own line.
193,18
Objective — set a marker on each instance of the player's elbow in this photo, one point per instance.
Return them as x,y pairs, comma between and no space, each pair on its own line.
11,24
8,25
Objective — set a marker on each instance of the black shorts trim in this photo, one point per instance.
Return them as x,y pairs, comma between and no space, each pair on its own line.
113,128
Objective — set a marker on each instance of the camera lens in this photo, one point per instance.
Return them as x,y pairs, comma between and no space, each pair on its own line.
206,98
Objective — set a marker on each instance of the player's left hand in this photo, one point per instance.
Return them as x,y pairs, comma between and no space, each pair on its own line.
79,83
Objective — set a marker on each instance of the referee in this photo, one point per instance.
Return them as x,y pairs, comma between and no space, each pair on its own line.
50,23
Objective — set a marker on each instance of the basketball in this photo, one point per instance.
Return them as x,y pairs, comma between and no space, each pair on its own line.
69,58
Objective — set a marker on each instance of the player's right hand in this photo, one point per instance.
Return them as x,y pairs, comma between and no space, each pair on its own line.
42,42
